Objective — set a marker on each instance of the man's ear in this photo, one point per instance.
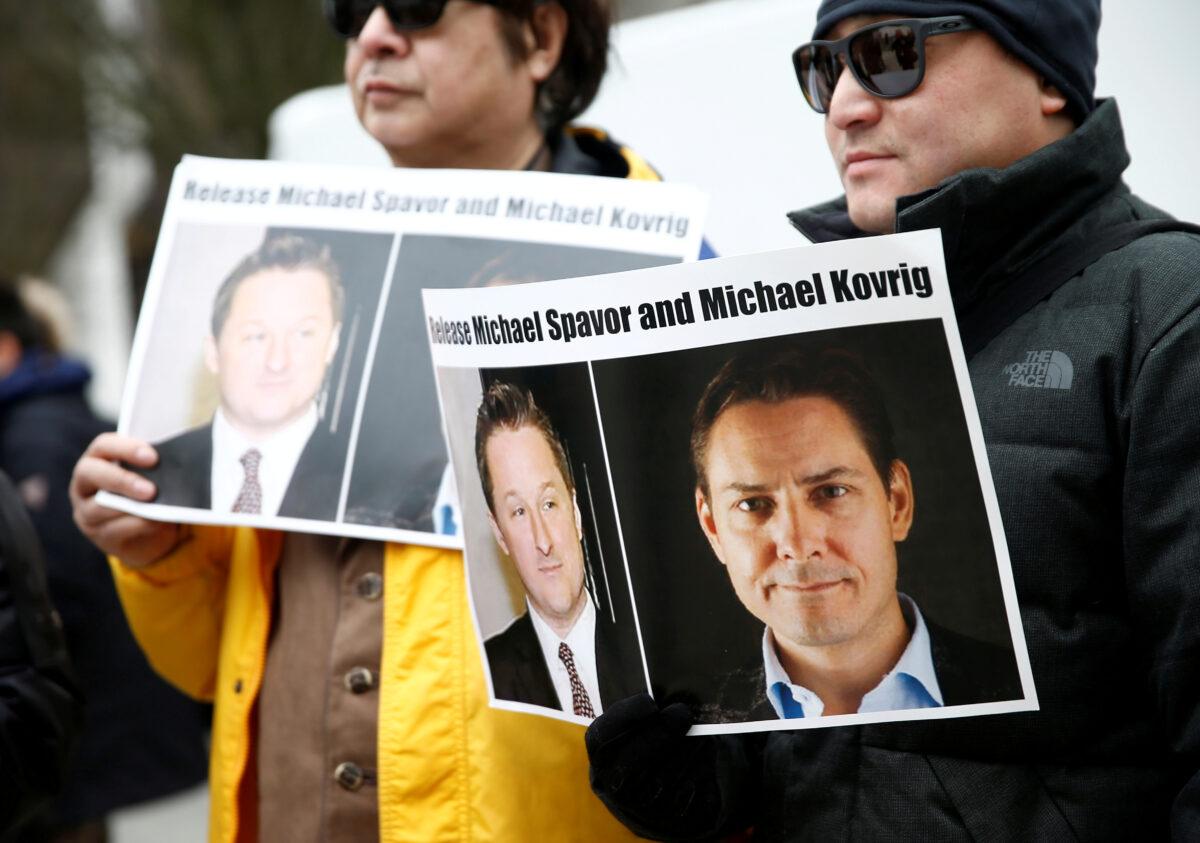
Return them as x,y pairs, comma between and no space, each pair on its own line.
578,517
709,525
10,353
1052,100
497,534
900,500
545,35
210,355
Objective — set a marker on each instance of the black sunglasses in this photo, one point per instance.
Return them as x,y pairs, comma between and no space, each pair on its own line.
887,58
348,17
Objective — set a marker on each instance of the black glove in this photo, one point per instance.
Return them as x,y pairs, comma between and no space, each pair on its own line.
660,783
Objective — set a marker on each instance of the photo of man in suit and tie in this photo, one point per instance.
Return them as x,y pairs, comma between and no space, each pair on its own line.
557,654
274,329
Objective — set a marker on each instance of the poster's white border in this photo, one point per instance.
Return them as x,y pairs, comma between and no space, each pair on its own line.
189,515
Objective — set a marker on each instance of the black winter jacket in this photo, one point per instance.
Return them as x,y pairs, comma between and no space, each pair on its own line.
39,703
141,738
1097,470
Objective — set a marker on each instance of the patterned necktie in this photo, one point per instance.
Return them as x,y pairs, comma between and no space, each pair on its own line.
579,697
249,499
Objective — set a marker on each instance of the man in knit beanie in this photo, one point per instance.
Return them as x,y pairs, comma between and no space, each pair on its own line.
978,118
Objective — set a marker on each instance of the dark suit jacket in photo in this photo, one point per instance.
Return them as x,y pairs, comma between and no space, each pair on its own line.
519,673
183,474
969,671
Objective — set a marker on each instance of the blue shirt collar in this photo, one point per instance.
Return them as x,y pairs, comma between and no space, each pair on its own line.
911,683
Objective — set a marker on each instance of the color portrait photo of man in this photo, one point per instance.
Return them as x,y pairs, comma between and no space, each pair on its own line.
556,654
275,326
803,498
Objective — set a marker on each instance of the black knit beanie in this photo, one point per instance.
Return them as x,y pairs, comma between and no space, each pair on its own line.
1057,38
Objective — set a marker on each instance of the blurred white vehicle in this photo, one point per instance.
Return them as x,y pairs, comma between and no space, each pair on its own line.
707,94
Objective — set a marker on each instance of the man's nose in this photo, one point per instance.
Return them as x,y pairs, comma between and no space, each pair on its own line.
799,532
279,355
850,103
541,534
379,38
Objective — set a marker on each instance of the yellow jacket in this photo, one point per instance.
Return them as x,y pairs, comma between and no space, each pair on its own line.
450,767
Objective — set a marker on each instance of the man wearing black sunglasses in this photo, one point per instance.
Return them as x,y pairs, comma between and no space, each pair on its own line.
487,85
1080,314
350,699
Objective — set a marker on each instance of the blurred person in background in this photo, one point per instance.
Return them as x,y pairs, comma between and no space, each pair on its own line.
141,739
350,698
39,699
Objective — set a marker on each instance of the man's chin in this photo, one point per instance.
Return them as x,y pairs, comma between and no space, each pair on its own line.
809,623
825,633
561,611
872,215
263,425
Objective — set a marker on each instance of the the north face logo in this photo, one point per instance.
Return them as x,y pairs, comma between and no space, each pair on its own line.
1047,369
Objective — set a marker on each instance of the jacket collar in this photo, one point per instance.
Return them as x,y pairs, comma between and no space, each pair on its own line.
43,373
996,222
586,152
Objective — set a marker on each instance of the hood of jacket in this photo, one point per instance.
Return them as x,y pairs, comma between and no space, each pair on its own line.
43,373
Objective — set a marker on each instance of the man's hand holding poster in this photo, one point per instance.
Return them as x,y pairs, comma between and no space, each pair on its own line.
756,484
281,368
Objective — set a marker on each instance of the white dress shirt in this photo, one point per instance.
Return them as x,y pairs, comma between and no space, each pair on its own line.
582,641
280,453
911,683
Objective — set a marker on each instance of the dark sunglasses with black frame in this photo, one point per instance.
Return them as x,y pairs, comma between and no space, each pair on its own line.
348,17
886,58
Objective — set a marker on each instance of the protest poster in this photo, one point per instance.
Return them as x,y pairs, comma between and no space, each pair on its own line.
755,484
280,365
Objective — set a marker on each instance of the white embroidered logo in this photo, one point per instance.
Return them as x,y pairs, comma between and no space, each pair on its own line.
1047,369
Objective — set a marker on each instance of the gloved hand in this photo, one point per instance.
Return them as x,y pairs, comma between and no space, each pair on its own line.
660,783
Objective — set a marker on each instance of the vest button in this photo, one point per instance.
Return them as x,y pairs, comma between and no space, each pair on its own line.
369,586
358,680
349,775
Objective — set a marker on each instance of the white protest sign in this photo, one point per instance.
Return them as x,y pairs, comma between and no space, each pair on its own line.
280,365
757,484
